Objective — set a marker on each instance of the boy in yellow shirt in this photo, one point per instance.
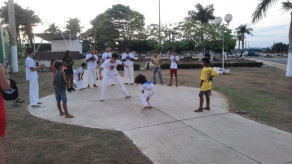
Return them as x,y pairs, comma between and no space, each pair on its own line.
206,84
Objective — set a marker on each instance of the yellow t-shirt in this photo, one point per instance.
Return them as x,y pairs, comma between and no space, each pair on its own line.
207,74
156,60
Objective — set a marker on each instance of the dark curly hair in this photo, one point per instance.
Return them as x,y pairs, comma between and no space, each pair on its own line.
140,79
58,65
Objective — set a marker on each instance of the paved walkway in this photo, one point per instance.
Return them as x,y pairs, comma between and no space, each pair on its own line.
270,63
171,133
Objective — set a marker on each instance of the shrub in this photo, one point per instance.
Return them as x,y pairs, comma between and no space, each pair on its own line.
121,68
197,65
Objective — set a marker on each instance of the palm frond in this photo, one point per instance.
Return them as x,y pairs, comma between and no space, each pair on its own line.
287,6
261,10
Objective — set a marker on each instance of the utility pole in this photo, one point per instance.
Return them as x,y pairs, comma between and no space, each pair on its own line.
12,29
159,30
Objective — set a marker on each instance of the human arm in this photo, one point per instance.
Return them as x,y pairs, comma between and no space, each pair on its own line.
142,91
124,65
201,83
65,78
99,71
81,77
131,57
4,82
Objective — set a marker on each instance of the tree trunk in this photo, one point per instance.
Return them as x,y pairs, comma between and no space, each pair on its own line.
289,62
242,41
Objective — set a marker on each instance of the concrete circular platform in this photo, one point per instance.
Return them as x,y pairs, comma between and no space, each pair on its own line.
169,104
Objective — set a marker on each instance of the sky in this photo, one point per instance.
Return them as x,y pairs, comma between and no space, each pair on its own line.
273,28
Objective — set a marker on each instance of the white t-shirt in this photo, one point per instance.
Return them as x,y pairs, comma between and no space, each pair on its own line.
173,64
77,71
128,61
110,68
106,55
91,64
147,86
30,75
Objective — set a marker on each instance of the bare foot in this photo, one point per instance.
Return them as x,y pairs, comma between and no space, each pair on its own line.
149,107
35,106
207,108
169,85
88,86
145,108
176,85
95,85
40,103
68,116
101,100
199,110
62,114
127,97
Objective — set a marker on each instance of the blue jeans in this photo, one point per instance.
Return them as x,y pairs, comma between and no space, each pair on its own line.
157,69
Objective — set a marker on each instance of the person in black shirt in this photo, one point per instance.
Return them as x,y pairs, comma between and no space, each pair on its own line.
68,63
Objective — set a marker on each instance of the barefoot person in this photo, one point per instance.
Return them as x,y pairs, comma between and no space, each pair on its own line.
4,85
60,83
91,59
32,77
147,88
78,76
173,67
68,63
111,72
206,84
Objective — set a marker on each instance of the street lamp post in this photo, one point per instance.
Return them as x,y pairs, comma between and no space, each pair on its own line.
159,30
218,21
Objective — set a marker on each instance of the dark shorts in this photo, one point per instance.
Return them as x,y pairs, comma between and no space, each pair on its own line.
68,71
61,96
207,93
173,71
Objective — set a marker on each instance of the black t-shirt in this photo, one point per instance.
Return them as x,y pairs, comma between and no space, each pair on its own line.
68,60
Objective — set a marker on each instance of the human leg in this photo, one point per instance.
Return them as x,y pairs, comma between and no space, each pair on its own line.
34,93
131,75
201,95
171,74
104,86
94,77
154,75
2,152
126,75
160,76
89,78
207,100
118,81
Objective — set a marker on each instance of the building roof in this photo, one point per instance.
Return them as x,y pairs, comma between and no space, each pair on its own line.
55,36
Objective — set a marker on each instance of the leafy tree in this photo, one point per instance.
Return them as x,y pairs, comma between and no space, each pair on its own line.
202,14
280,47
73,26
242,30
260,12
53,29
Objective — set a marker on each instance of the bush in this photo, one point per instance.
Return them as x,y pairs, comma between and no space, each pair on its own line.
121,68
197,65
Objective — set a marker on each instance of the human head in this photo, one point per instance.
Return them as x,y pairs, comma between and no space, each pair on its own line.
92,51
107,49
58,65
84,65
154,52
114,58
127,50
174,52
205,62
207,55
30,52
67,53
140,79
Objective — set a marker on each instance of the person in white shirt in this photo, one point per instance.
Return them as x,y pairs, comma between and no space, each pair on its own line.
128,59
78,76
107,55
173,67
32,77
148,90
92,59
111,72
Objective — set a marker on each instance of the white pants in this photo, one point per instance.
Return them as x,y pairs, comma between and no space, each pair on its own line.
129,74
91,76
33,92
146,94
111,80
118,81
79,84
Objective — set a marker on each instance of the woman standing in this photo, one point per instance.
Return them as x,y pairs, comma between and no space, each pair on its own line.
68,63
4,85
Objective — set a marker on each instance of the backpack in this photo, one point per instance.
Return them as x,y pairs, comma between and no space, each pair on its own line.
12,93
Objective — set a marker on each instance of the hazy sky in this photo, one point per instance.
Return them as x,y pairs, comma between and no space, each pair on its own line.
273,28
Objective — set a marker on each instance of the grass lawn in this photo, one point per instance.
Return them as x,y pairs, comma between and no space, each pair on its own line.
265,93
33,140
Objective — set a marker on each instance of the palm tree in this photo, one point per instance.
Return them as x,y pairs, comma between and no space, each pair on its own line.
73,26
238,37
242,30
260,13
53,29
202,14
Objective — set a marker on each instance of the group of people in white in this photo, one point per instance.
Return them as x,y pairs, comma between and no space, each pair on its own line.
107,72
